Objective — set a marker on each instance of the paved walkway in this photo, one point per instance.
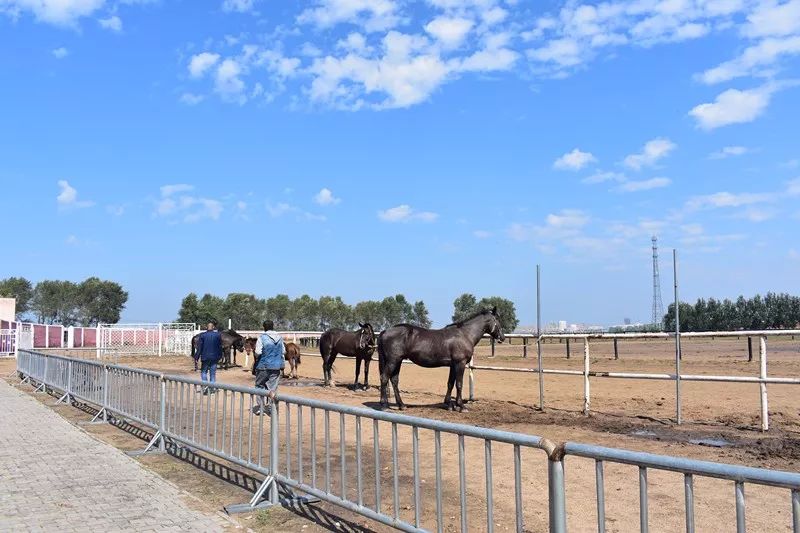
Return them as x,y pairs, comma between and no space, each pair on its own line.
56,477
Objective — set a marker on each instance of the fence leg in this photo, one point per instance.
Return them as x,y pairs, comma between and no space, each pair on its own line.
749,349
586,391
557,497
525,347
103,411
66,398
616,350
568,354
493,343
43,385
471,381
763,385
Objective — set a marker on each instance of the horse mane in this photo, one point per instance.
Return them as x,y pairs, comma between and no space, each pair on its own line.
465,320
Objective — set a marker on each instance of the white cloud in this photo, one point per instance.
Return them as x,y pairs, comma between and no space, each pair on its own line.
113,23
72,240
169,190
727,199
227,82
481,234
793,187
602,177
567,218
282,208
728,151
115,210
405,213
574,160
174,203
326,197
68,197
191,98
238,6
200,63
450,32
652,152
733,107
60,53
645,185
753,60
56,12
774,17
371,15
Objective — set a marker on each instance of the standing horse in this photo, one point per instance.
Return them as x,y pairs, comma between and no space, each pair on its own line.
231,341
359,344
292,355
452,346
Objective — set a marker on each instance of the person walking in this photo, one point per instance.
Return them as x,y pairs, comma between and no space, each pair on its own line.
209,350
268,367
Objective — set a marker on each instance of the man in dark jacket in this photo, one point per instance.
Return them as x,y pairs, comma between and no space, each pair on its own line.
270,353
209,350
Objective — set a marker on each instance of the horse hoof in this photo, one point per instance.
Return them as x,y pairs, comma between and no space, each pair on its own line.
401,407
463,409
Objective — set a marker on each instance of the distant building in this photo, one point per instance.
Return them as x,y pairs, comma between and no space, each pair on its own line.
627,321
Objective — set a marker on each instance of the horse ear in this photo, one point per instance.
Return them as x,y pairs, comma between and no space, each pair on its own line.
494,310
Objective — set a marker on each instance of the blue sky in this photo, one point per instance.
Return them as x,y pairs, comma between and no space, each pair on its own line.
367,147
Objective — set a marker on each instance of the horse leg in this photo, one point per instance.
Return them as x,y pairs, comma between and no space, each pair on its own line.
366,374
385,373
459,381
451,380
396,387
358,371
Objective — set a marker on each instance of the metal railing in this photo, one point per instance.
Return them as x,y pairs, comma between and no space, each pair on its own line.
330,452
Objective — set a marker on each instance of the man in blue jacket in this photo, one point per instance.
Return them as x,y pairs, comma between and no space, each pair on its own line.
268,367
209,350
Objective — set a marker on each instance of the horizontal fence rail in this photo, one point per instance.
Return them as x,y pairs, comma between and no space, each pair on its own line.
353,457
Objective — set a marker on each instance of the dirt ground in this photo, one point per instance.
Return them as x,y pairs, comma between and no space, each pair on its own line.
630,414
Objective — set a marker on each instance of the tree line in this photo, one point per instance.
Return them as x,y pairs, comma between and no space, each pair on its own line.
247,311
773,311
467,304
87,303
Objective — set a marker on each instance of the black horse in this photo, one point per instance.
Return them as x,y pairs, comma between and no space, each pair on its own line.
359,344
231,341
452,346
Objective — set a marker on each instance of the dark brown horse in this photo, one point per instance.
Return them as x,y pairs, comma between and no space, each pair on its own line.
452,346
359,344
231,342
292,355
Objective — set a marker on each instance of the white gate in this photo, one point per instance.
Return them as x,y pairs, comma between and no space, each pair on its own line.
25,336
8,342
177,338
144,339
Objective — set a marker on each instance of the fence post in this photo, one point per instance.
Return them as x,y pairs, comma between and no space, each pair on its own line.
616,350
160,339
677,339
539,335
493,347
749,349
471,379
162,418
273,452
105,393
557,497
586,391
524,347
568,350
763,386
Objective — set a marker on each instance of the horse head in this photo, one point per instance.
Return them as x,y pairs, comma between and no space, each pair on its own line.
493,325
366,336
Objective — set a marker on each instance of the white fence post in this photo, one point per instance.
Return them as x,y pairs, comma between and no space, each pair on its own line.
71,337
763,386
586,392
160,338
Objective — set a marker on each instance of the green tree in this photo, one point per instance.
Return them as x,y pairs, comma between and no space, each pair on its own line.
55,302
421,317
688,320
334,313
304,315
278,309
211,308
100,301
245,311
464,306
369,311
19,288
396,310
506,311
190,310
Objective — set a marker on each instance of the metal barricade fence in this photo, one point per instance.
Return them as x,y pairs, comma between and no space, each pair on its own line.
352,456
